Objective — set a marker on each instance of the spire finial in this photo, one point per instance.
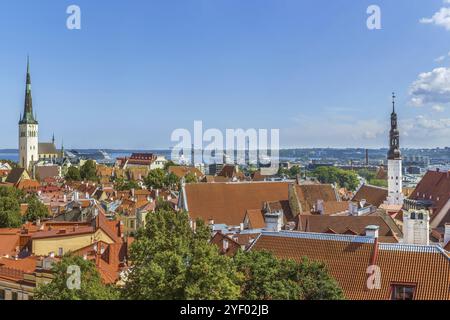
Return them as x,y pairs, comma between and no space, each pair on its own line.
393,102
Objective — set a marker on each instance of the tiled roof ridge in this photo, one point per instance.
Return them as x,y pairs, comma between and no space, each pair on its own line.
432,248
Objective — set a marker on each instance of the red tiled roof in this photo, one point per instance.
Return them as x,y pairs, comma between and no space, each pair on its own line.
347,259
228,202
434,186
342,225
373,195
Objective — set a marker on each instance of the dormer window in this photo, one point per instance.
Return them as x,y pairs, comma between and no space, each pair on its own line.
402,291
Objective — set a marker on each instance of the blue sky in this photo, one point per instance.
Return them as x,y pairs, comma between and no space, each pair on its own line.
139,69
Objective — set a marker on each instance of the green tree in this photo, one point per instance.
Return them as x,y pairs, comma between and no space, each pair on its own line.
378,183
121,184
171,181
343,178
15,193
10,212
190,178
294,171
73,174
155,179
36,209
91,286
88,171
269,278
366,174
170,261
168,164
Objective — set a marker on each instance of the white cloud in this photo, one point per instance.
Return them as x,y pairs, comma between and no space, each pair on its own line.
441,58
440,18
431,88
437,107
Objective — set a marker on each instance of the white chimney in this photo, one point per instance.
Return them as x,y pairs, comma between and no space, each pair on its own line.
446,234
319,206
274,221
225,244
372,231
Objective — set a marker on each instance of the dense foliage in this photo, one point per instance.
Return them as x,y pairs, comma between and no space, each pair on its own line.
172,262
36,209
292,172
369,176
267,277
343,178
73,174
10,200
160,179
88,171
122,185
90,285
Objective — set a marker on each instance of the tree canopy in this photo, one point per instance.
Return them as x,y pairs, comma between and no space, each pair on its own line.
172,262
159,179
73,174
91,286
88,171
343,178
121,184
10,199
36,209
269,278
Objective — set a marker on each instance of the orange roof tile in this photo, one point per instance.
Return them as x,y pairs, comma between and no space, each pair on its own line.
347,258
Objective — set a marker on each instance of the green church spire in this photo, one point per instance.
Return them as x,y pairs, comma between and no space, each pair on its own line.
28,117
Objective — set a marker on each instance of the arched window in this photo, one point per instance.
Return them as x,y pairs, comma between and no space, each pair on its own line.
420,216
413,215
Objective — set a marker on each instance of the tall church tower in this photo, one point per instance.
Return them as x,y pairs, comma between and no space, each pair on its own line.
28,129
395,192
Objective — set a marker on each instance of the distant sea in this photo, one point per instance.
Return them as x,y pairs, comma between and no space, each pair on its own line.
8,154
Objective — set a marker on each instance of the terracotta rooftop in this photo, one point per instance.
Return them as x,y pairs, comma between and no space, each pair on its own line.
308,194
349,225
347,258
434,186
228,202
182,171
373,195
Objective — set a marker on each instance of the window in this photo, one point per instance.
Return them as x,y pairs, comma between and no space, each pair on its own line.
402,292
2,294
14,296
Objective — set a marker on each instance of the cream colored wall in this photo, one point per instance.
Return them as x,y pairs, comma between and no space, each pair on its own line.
68,243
